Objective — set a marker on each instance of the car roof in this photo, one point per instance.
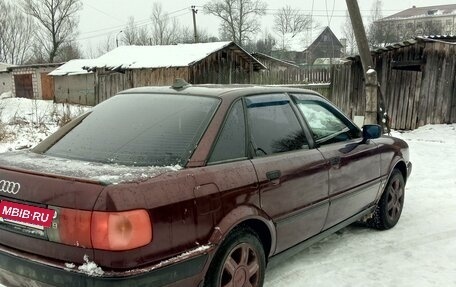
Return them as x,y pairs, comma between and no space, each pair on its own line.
226,92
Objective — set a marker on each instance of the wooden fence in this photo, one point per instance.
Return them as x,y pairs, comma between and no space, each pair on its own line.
417,82
293,76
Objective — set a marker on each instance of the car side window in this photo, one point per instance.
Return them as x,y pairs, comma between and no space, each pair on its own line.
231,142
274,127
326,125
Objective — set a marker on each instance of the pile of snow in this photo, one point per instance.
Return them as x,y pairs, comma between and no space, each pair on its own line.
90,268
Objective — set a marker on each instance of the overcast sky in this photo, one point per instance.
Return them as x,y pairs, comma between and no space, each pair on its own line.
100,18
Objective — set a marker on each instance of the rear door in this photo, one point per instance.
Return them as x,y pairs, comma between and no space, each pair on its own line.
293,178
354,174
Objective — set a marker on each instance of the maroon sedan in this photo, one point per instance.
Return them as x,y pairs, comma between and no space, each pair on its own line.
192,186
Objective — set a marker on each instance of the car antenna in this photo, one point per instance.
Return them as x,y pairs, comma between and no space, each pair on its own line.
179,83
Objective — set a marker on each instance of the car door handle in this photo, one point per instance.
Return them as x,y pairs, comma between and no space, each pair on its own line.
273,175
335,161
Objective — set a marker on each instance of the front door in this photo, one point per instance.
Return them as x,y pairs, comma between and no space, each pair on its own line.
354,174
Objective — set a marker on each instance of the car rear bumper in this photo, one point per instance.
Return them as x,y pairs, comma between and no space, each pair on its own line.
21,271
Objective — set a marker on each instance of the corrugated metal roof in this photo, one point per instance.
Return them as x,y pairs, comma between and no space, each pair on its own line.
428,11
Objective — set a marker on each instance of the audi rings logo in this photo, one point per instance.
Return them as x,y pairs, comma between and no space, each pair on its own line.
9,186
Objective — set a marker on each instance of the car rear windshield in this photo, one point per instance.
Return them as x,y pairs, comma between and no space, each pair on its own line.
139,130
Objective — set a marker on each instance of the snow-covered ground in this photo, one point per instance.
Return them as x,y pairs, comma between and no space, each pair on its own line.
24,122
419,251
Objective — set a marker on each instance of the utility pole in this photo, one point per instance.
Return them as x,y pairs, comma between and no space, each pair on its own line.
371,83
194,11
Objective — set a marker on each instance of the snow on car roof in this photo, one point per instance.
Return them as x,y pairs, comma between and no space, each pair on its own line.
73,67
137,57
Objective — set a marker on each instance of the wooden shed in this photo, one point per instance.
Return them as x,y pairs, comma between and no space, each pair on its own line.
417,80
74,84
133,66
33,82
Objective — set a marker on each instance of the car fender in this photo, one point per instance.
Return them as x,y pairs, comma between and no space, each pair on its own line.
238,216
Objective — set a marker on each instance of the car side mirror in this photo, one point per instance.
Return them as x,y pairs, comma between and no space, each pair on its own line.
371,132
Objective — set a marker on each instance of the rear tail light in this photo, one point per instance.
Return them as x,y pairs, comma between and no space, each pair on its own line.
121,230
102,230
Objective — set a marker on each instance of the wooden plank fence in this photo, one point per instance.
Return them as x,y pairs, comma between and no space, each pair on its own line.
413,97
293,76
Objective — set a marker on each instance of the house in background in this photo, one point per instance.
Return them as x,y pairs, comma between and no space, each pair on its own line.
74,84
430,20
6,81
326,45
33,82
133,66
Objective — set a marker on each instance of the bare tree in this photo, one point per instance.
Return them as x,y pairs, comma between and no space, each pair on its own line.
430,27
106,46
58,21
165,30
266,44
239,17
16,30
349,35
69,51
288,23
134,34
380,32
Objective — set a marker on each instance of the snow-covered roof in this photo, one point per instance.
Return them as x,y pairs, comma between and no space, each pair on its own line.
420,12
180,55
73,67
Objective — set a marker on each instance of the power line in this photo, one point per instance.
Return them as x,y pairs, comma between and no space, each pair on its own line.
138,24
102,12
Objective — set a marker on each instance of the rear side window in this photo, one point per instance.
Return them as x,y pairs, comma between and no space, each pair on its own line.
231,142
274,127
139,130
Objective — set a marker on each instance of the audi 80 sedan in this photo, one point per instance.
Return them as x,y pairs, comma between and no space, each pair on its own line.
192,186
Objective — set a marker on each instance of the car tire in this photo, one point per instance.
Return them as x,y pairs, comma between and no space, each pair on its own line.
240,260
389,208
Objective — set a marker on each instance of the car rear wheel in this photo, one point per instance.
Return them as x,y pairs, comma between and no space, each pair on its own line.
239,262
390,206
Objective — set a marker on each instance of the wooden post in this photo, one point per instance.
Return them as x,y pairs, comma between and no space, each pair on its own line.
371,84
